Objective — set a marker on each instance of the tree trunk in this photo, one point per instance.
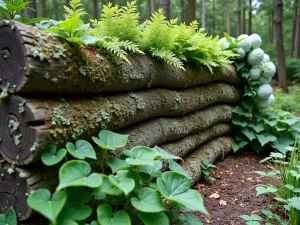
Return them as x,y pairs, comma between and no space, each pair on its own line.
44,8
250,18
272,26
192,10
294,29
95,9
182,11
203,23
244,20
297,33
151,7
214,18
79,70
215,149
55,9
238,26
40,122
228,17
165,5
32,12
282,76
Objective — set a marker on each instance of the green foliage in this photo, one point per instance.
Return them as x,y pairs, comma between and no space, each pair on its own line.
288,101
286,193
293,69
10,8
253,219
206,166
134,185
9,218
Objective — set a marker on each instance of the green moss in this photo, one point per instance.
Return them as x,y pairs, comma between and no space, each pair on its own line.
164,95
58,117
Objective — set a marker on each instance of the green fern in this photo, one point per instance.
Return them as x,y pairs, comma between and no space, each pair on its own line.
75,9
168,57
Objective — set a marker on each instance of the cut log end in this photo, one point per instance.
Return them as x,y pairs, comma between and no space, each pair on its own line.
20,131
12,57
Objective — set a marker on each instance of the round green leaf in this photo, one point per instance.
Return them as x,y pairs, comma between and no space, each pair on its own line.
107,217
117,164
107,187
9,218
50,155
65,222
175,187
76,173
148,200
81,150
109,140
153,171
162,154
42,202
74,208
154,218
122,181
141,155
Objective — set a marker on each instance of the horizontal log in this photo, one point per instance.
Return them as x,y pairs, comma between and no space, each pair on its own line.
161,130
17,183
28,125
185,145
34,61
215,149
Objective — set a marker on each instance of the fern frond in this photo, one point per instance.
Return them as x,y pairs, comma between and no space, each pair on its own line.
168,57
75,9
129,46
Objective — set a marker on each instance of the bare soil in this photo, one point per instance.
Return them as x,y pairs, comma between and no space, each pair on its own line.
233,193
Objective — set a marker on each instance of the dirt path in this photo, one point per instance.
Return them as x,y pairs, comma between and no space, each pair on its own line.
235,186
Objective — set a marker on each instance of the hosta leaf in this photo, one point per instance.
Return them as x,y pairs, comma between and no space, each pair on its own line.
123,181
75,208
110,140
117,164
162,154
294,202
282,142
89,40
174,166
77,173
175,187
154,218
50,207
9,218
148,200
265,138
249,134
81,150
141,155
107,187
106,216
50,155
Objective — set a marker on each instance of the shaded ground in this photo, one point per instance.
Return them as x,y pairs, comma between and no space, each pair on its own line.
235,186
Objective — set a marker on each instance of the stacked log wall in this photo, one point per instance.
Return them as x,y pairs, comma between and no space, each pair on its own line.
62,92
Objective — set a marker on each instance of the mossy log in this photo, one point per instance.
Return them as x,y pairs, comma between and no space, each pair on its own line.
161,130
183,146
17,183
28,125
212,150
33,61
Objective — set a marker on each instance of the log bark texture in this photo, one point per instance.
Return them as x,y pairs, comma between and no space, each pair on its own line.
17,183
161,130
33,61
215,149
28,125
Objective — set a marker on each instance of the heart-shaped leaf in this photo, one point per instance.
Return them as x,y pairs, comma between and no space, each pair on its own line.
117,164
265,138
107,187
123,181
77,173
109,140
154,218
141,155
148,201
153,171
50,155
162,154
9,218
295,202
74,208
106,216
65,222
184,219
42,202
265,189
174,166
175,187
81,150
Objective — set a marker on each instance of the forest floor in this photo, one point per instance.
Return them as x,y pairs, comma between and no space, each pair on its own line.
233,192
